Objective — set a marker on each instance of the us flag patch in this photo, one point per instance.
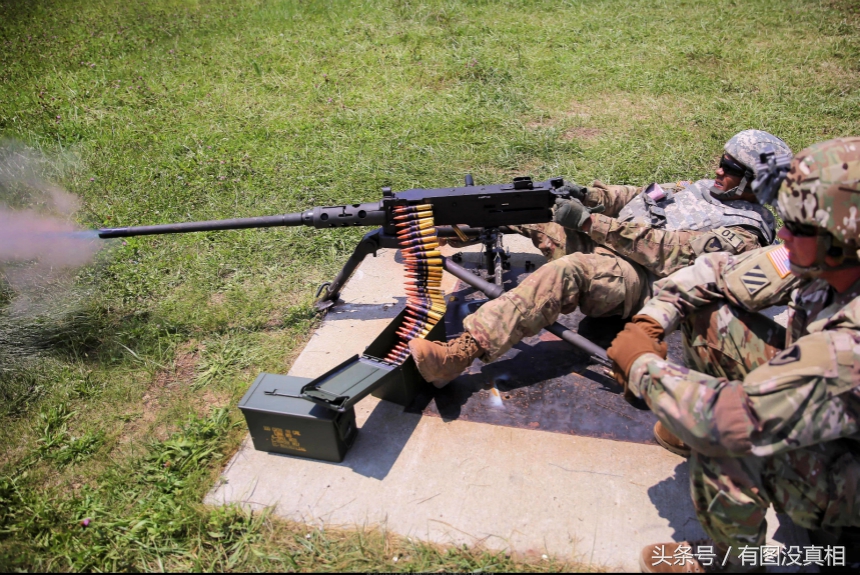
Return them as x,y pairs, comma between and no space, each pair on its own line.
754,280
779,259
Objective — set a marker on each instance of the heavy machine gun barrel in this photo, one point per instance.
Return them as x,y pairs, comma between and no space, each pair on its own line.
231,224
465,212
326,217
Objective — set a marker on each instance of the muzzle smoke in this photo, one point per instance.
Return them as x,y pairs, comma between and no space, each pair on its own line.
41,247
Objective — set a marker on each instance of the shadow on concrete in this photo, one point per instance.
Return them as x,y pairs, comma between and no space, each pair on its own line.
363,312
378,444
540,384
381,440
671,497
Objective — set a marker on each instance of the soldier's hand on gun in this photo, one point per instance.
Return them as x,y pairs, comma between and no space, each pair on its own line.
573,214
575,190
642,335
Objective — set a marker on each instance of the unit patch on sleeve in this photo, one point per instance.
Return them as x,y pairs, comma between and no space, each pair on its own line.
754,280
779,259
790,355
713,245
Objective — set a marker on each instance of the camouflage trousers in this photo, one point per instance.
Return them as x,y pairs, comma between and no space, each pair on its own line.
600,284
816,486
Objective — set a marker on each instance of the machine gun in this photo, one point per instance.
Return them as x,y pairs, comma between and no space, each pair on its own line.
771,169
475,212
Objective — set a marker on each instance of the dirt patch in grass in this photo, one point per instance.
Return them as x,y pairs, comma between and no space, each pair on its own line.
528,168
203,403
16,451
187,357
609,113
158,393
629,107
587,120
542,123
579,110
581,133
199,403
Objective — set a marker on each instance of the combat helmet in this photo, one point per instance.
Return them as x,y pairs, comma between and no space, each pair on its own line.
746,148
822,192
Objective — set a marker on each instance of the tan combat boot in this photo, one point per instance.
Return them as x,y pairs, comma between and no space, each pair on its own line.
670,441
703,556
439,362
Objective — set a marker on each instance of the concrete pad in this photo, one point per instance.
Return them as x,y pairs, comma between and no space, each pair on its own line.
593,500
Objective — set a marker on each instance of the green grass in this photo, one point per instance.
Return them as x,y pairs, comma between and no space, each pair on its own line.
165,111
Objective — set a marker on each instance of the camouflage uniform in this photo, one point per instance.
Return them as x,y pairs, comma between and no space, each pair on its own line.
555,241
609,273
772,415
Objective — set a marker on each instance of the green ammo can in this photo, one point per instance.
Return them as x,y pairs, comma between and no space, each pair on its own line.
316,418
282,421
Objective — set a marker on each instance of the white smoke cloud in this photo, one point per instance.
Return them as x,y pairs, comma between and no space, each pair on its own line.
41,246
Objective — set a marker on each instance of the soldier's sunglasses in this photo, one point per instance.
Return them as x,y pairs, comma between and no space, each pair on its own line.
801,230
731,167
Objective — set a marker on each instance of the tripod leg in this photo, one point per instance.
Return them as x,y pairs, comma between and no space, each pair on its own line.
330,291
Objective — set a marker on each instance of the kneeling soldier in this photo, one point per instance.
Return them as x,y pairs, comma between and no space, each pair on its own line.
770,421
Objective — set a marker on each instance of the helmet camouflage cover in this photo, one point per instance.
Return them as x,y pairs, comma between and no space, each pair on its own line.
746,146
822,189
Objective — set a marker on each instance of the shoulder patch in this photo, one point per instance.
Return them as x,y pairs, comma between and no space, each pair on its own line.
790,355
779,259
755,279
713,245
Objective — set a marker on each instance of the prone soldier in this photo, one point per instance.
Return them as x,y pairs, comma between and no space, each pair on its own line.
641,235
772,415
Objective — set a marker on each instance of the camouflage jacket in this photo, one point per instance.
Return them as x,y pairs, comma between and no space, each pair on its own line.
807,394
659,251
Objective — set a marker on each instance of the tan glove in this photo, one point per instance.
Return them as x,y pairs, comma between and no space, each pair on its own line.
651,326
638,337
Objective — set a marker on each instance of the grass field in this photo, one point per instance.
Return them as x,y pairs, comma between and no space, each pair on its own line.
120,412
